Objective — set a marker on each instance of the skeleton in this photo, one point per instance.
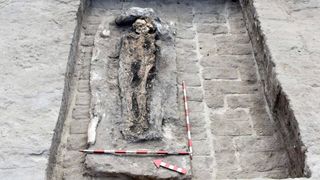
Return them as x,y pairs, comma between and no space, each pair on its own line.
136,72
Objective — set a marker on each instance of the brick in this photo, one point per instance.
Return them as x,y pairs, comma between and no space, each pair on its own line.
186,33
263,161
195,94
187,17
186,56
234,10
79,127
220,73
187,67
208,18
234,49
229,61
77,142
83,85
198,133
94,20
85,57
202,163
248,74
82,99
216,6
80,113
238,27
231,38
222,174
231,128
207,52
261,122
192,80
87,41
212,28
85,49
185,44
201,148
90,30
223,144
84,73
231,115
201,174
72,158
238,174
245,100
195,106
226,161
239,101
197,120
73,176
206,39
230,87
257,144
214,99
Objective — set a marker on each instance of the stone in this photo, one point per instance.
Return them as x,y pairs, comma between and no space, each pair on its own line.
192,80
83,99
231,128
186,33
200,148
77,142
195,94
231,115
234,49
90,30
87,41
258,144
214,99
187,67
242,101
219,73
230,87
72,158
226,161
212,28
209,18
83,86
79,127
105,33
80,113
195,106
185,44
223,144
232,38
132,14
263,161
202,163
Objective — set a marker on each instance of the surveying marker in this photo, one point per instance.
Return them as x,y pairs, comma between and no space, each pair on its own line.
186,110
134,152
159,162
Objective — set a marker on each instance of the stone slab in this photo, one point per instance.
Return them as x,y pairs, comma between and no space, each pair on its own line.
105,105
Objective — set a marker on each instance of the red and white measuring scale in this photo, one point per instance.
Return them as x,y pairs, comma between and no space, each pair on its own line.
135,152
186,110
159,163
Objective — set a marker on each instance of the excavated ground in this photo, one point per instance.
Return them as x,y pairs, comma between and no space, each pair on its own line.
233,132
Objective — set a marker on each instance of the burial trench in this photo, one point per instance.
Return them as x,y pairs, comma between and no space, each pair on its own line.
128,94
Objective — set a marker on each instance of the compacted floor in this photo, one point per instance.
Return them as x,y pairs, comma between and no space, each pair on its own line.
233,133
